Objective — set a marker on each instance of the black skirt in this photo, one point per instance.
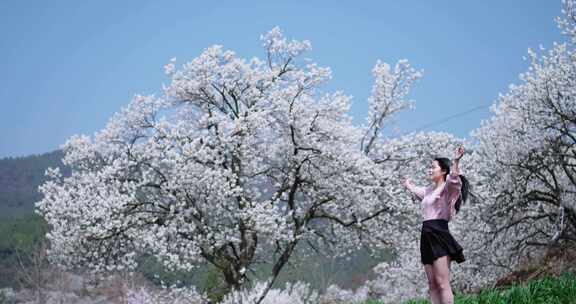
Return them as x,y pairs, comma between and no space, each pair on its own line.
436,241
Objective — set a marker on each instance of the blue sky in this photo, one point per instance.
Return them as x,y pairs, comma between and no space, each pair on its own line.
67,66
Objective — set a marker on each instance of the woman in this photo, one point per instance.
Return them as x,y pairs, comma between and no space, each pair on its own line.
440,202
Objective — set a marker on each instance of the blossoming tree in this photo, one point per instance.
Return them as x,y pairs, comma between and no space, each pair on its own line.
528,148
523,173
237,162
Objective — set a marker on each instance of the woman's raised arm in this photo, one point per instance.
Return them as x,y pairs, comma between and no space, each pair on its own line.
419,191
455,170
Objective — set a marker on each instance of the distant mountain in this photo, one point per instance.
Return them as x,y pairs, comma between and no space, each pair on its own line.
19,181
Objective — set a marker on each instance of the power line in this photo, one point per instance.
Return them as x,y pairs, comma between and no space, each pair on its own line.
442,120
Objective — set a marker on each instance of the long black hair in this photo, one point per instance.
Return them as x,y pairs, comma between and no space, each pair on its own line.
444,164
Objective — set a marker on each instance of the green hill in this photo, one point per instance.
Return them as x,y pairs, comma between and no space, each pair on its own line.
19,181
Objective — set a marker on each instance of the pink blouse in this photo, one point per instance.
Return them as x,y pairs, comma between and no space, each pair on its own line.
439,203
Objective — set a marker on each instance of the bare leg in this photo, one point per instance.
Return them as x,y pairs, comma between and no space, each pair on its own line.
441,277
432,287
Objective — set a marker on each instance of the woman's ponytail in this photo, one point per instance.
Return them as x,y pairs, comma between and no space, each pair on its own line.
464,193
444,164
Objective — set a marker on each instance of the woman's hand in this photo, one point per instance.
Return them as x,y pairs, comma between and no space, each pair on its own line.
459,153
407,183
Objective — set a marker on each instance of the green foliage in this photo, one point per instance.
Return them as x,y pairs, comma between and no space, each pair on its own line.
205,277
320,269
23,235
413,302
19,181
561,290
214,285
20,228
373,302
3,298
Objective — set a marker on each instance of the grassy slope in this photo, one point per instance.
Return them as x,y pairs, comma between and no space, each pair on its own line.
545,290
